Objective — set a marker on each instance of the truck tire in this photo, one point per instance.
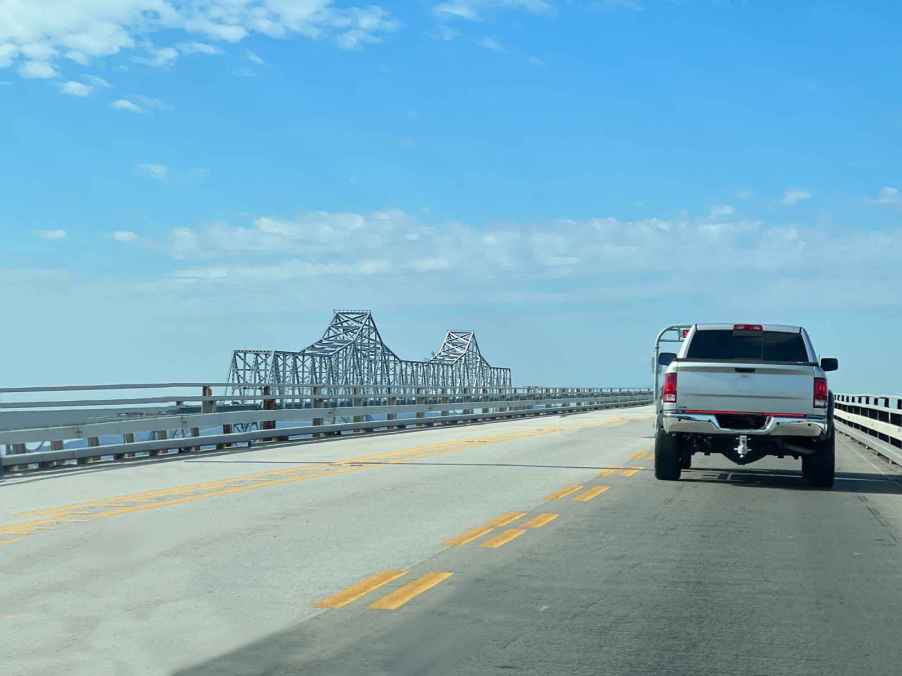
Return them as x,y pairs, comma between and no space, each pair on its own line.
819,469
667,457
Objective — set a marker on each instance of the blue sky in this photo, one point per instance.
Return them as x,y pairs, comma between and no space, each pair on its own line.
185,177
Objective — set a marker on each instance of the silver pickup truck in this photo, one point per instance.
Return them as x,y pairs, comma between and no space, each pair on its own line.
745,391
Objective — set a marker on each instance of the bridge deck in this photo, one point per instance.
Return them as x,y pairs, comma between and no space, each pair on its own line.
564,554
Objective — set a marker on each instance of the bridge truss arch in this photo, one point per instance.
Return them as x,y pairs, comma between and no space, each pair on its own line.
351,355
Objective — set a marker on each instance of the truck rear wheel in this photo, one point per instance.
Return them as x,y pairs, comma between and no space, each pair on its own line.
667,457
820,468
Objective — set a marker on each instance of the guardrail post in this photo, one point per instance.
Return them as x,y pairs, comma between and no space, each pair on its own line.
316,402
418,400
226,429
269,404
160,435
468,396
127,438
355,402
392,401
92,441
208,405
55,445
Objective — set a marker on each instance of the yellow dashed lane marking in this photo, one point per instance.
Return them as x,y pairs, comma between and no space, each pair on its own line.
506,519
35,521
591,493
503,538
630,472
474,534
606,472
540,520
564,492
469,536
361,589
410,591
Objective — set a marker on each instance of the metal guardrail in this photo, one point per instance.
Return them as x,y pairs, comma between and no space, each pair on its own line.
45,434
873,420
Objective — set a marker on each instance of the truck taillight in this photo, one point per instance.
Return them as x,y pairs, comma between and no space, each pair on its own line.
669,391
821,393
748,327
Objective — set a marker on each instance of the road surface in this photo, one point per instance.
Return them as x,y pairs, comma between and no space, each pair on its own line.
539,546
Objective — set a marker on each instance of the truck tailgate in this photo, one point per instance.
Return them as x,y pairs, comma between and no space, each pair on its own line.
745,387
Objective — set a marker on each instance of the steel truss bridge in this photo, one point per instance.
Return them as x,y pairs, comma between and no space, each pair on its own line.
351,354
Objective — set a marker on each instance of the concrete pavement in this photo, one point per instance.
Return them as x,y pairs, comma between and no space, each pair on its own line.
542,546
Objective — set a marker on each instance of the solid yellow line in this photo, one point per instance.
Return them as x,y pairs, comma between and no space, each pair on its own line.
469,536
540,520
564,492
503,538
630,472
403,595
360,589
591,493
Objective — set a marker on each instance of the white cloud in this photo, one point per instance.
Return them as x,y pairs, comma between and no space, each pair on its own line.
577,261
491,44
160,172
722,210
125,236
794,196
888,196
52,235
37,34
125,104
37,70
198,48
474,10
72,88
159,57
149,103
253,58
97,81
635,5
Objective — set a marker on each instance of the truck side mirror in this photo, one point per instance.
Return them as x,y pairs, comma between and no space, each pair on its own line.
664,358
829,363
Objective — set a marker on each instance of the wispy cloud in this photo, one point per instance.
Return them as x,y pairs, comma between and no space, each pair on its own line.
139,104
475,10
37,39
491,44
635,5
253,57
126,105
722,210
52,235
198,48
888,196
793,196
73,88
37,70
159,172
159,57
97,81
125,236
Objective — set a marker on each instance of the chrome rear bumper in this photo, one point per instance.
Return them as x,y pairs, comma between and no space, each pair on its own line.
775,426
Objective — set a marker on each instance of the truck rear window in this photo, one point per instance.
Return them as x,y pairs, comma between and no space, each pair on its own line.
758,346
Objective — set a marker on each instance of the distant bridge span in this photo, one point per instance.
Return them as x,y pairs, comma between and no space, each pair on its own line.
351,352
